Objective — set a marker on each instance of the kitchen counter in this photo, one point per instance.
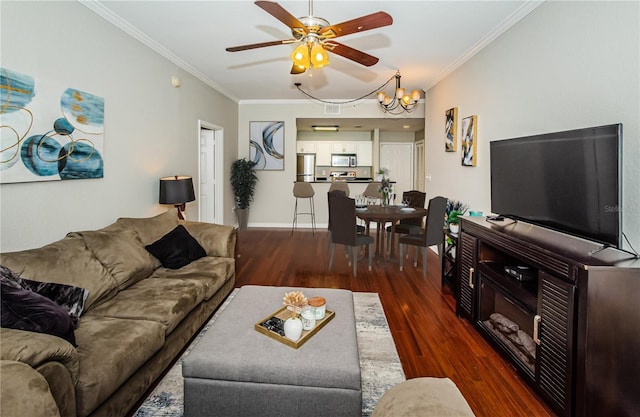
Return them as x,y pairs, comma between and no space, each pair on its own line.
347,181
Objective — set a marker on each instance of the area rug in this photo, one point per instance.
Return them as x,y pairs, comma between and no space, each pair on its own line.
379,362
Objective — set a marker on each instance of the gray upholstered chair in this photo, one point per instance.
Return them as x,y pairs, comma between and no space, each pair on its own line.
407,226
429,236
304,190
344,230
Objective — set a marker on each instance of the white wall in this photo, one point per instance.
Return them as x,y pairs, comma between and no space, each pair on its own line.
151,128
567,65
274,202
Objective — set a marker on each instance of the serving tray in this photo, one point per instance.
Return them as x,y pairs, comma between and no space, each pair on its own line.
284,314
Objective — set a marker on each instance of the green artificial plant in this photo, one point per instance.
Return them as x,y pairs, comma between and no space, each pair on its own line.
243,182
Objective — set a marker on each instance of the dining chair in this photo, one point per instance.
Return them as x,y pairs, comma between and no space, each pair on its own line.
344,230
340,185
330,195
304,190
416,199
429,236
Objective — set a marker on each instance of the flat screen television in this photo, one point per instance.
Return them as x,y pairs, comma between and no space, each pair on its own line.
568,181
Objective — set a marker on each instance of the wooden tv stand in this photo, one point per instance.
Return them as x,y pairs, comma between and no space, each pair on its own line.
562,310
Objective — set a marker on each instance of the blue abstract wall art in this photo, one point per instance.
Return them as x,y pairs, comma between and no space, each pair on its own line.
48,133
266,145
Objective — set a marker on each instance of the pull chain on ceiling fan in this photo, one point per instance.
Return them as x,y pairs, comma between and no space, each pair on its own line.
316,35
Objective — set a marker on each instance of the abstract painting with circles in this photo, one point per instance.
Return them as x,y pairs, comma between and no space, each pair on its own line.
47,132
266,145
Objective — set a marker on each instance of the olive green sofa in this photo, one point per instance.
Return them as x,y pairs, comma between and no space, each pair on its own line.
138,316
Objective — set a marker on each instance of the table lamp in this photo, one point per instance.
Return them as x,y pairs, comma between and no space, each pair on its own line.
176,190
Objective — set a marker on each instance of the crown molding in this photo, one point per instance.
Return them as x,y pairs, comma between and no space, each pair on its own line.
515,17
98,8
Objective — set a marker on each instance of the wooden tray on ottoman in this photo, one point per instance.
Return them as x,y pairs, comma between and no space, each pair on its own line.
284,314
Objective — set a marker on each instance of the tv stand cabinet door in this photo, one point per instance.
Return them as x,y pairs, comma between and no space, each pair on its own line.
556,304
466,293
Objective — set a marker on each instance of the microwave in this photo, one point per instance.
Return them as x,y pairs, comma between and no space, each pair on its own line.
343,160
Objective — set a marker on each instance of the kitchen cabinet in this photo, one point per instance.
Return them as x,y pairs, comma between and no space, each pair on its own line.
365,154
323,153
345,147
306,147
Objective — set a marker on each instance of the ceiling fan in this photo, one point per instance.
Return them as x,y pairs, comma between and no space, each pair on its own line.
316,35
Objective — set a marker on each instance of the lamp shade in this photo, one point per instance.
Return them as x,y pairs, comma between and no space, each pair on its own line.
176,190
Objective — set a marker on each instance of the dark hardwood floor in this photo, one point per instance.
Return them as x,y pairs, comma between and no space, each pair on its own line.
430,338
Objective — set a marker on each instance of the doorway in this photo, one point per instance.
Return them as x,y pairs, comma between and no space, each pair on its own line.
420,186
210,169
398,158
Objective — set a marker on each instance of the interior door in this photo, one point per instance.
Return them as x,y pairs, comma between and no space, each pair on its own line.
207,194
420,166
398,158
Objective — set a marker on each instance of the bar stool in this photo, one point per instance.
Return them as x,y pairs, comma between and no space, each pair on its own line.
340,185
304,190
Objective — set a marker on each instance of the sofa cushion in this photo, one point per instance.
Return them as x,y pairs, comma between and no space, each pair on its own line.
165,301
111,350
67,261
176,249
121,253
211,272
216,239
25,392
36,349
70,298
26,310
149,229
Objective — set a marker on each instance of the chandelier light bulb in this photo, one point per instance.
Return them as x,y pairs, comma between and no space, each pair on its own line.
406,100
399,92
381,95
415,95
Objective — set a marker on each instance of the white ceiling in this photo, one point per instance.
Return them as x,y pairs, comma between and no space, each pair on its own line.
427,40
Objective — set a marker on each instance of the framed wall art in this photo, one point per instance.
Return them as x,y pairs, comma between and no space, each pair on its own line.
56,134
451,130
469,140
266,145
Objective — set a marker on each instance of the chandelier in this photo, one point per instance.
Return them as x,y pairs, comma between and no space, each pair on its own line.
400,101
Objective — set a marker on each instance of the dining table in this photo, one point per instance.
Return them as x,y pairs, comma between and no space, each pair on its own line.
382,215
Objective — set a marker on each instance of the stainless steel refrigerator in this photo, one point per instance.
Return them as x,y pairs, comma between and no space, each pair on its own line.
306,167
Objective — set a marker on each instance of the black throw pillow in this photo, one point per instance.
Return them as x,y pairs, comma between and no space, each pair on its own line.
26,310
70,298
176,249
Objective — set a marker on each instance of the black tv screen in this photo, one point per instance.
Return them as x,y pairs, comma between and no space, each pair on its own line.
568,181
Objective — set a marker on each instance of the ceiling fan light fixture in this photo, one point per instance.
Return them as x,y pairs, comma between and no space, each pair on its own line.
319,57
300,56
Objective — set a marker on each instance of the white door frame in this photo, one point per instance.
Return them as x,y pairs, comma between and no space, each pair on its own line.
218,144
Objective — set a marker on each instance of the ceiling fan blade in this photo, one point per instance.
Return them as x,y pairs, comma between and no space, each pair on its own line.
352,54
296,69
360,24
279,12
258,45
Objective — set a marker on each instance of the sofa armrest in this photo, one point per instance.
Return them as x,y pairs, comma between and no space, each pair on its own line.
25,392
216,239
35,349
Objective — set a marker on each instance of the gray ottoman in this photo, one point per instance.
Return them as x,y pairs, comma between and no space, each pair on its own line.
236,371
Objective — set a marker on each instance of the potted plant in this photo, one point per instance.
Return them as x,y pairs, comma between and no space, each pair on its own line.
453,220
454,210
243,182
